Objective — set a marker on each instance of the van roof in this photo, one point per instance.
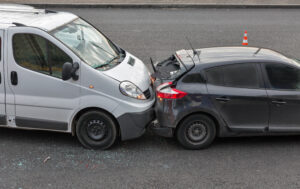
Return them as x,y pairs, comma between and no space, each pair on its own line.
15,14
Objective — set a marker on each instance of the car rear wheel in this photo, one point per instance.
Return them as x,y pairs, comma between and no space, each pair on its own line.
196,132
96,130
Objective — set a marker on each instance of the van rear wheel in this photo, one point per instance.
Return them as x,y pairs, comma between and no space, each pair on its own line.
96,130
196,132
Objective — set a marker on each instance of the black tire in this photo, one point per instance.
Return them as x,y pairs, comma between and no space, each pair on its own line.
96,130
196,132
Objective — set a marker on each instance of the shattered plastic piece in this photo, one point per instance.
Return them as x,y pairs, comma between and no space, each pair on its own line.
46,159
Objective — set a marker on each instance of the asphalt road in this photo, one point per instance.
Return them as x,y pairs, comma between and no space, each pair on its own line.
151,161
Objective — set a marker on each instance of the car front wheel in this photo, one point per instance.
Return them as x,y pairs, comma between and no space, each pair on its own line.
96,130
196,132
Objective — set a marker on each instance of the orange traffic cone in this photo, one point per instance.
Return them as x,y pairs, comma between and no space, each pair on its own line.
245,40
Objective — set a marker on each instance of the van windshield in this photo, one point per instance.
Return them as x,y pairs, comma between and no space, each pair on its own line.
88,43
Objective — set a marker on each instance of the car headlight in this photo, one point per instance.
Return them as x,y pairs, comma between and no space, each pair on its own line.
129,89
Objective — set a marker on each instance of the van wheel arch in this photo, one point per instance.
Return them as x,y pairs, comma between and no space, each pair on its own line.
217,124
81,112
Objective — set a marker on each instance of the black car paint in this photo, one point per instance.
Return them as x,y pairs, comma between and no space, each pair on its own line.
284,108
248,112
169,112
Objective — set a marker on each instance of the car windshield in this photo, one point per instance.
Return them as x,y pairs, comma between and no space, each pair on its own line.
88,43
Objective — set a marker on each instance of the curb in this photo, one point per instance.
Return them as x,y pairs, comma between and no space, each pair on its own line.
145,6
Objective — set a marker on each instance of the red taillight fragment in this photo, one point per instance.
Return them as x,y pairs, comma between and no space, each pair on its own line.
166,91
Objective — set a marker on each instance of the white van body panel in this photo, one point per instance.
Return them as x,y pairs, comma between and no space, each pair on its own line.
134,73
44,102
23,15
106,94
2,86
40,96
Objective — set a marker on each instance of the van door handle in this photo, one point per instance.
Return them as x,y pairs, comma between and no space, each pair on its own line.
223,99
14,78
279,102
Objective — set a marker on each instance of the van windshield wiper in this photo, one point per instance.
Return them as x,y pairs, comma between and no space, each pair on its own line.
107,63
120,57
96,45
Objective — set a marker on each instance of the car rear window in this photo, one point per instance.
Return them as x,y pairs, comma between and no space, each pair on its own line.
193,78
234,75
169,68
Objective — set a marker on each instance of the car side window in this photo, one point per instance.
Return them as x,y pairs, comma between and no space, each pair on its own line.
193,78
235,75
39,54
283,76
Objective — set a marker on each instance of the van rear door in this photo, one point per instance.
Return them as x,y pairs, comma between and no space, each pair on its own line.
2,91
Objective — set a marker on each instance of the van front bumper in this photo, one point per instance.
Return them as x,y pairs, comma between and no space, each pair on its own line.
159,130
133,125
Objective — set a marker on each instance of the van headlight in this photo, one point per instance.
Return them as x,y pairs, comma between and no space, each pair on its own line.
129,89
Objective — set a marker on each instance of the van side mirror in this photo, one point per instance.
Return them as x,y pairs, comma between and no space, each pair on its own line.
69,71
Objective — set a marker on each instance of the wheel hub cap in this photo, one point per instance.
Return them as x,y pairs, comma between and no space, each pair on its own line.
196,132
96,129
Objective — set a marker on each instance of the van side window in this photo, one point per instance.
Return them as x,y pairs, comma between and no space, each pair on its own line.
38,54
235,75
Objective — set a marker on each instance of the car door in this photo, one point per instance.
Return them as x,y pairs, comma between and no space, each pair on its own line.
2,89
283,88
239,95
41,99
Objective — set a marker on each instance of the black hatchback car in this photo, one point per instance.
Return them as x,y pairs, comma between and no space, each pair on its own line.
226,91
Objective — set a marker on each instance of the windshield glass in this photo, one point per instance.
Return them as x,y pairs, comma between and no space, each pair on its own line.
88,43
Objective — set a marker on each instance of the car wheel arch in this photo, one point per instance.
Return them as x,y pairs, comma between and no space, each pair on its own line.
215,120
87,109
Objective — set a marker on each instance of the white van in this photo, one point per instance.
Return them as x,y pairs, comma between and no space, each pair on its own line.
59,73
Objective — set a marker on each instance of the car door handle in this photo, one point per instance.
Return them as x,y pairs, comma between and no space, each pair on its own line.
223,99
278,102
14,78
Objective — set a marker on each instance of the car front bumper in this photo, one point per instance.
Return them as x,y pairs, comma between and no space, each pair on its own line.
133,125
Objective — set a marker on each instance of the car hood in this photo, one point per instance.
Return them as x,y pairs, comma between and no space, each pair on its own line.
131,69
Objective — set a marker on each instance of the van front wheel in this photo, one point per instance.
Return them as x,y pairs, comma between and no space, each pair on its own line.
96,130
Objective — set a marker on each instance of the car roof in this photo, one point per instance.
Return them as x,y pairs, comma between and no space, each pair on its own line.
15,14
227,55
239,54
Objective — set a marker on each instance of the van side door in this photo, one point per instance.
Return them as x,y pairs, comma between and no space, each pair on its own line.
41,99
2,89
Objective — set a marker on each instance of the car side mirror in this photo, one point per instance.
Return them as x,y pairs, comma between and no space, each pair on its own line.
69,71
